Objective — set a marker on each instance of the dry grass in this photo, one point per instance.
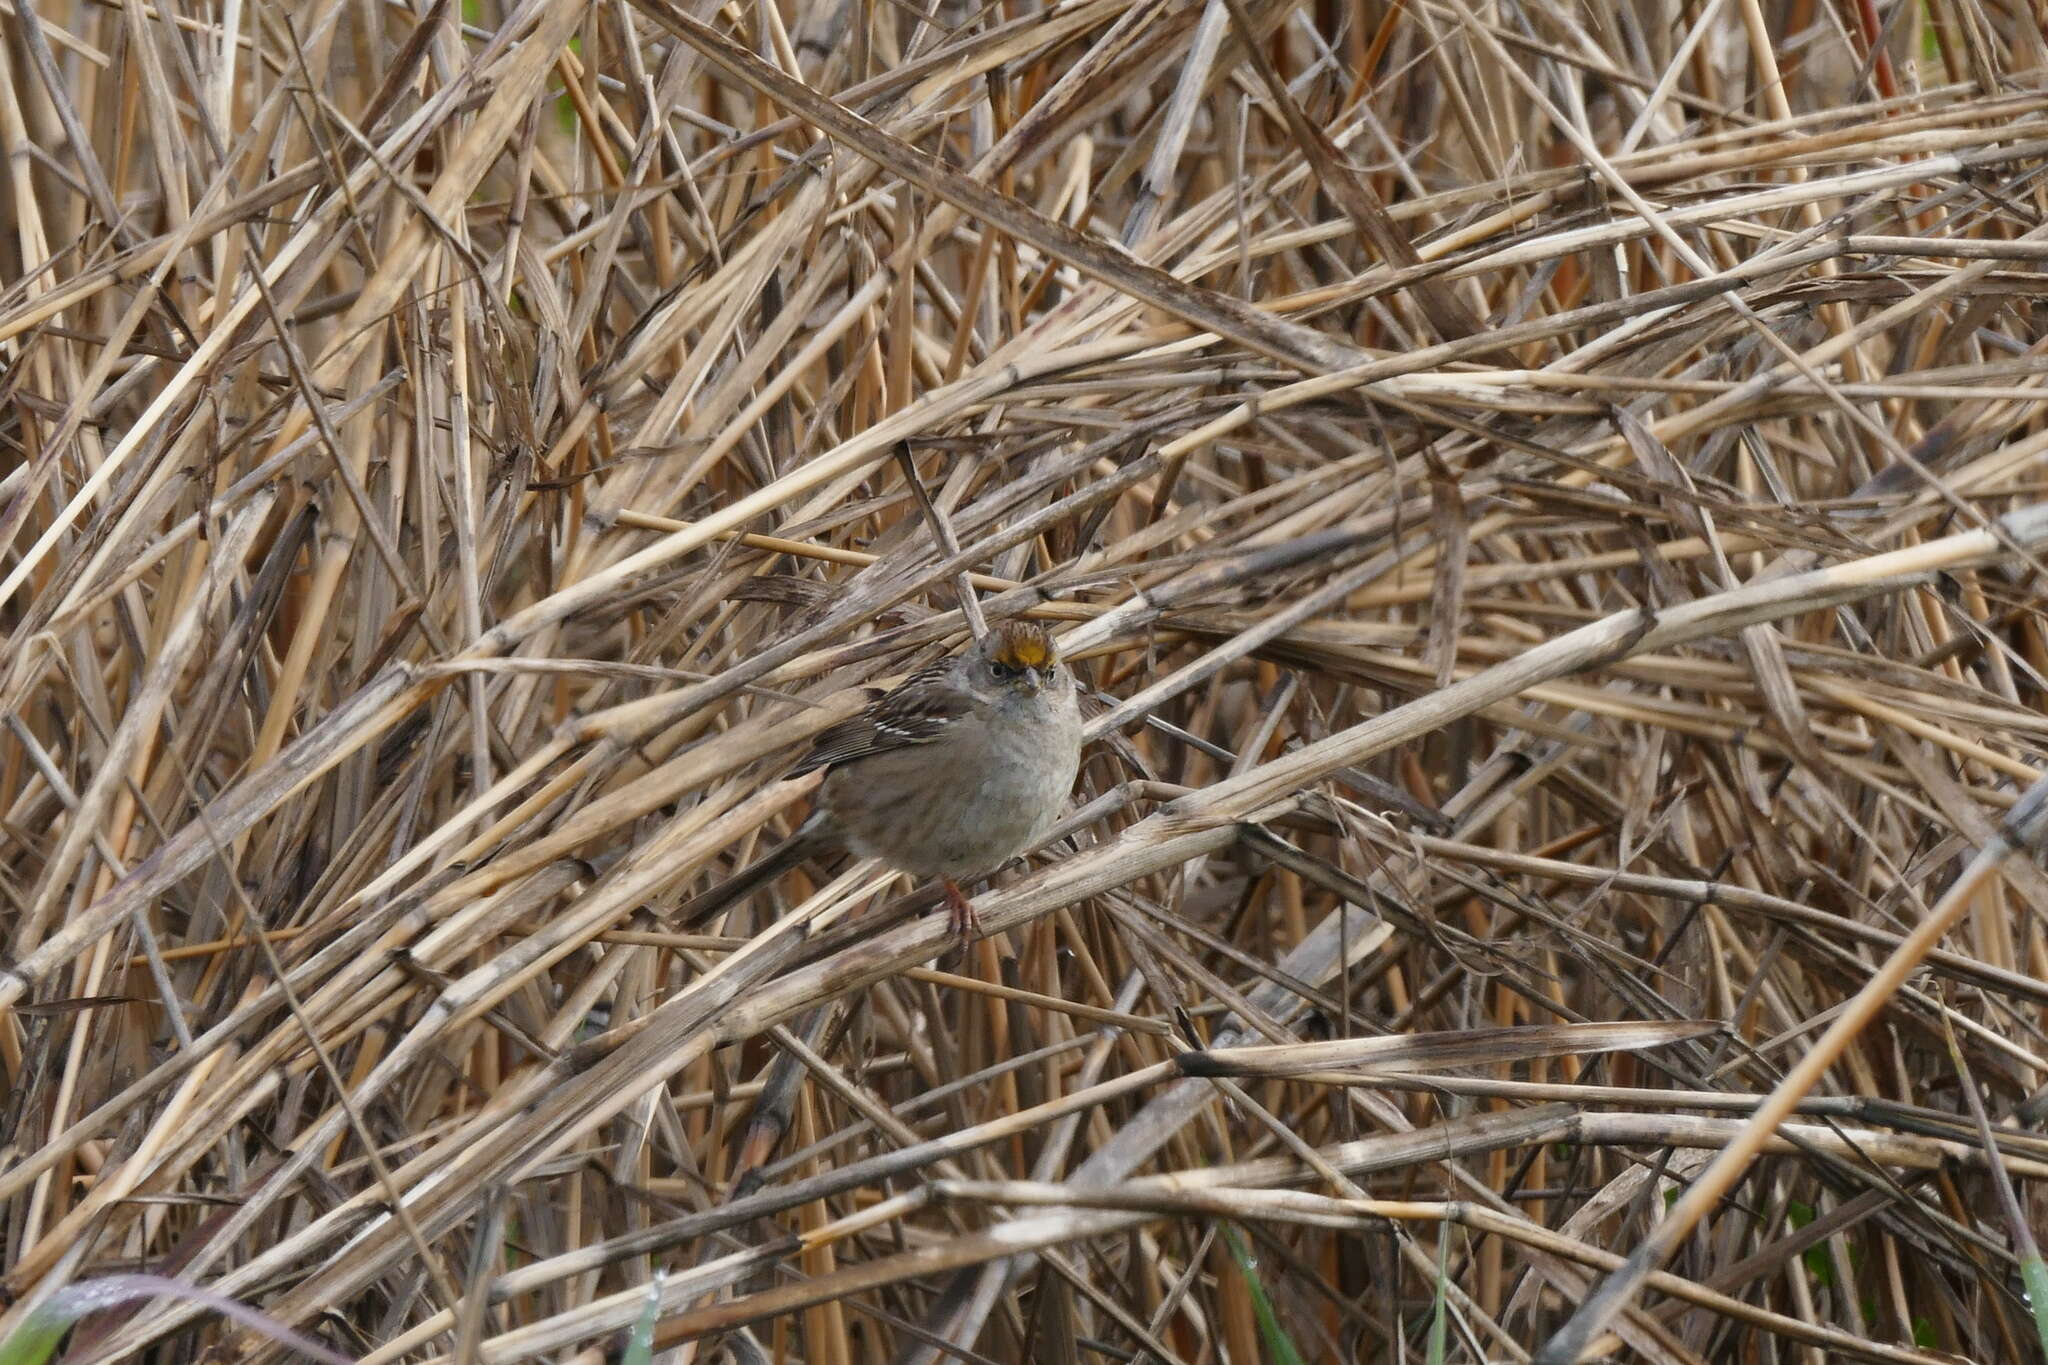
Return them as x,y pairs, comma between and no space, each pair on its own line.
1550,496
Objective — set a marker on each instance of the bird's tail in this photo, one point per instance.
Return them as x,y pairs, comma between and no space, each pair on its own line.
735,889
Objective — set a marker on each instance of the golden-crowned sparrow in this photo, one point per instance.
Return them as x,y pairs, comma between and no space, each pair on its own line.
952,774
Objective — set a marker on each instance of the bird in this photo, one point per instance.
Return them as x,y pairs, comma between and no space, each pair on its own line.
949,775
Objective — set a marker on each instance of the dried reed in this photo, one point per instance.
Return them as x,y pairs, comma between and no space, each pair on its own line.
1549,500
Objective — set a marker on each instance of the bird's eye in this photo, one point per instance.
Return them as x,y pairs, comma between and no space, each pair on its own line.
1003,672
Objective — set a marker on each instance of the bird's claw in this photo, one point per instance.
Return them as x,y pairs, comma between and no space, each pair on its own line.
966,925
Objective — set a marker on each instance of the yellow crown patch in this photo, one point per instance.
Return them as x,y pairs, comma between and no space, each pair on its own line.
1022,646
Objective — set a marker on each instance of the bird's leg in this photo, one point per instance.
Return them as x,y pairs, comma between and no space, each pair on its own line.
966,924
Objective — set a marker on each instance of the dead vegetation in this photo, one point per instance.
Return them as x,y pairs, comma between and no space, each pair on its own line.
1549,496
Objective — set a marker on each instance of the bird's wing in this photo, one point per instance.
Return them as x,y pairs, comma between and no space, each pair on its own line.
919,710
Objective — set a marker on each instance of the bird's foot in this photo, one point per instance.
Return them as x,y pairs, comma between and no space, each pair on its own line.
965,923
